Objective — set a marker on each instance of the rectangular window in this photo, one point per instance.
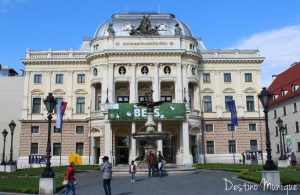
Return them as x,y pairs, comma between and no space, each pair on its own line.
166,98
297,126
37,78
122,99
210,147
59,78
80,105
79,148
34,149
207,104
56,130
227,77
56,149
276,128
57,99
35,129
206,77
286,129
227,98
295,107
284,111
230,127
250,103
252,127
253,144
248,77
142,99
231,146
298,146
275,114
81,78
209,128
36,105
99,102
79,129
277,148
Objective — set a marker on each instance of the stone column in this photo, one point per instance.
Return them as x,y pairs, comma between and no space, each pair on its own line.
133,142
159,142
25,108
156,84
48,82
69,99
187,157
108,138
218,96
179,90
93,98
239,101
133,87
110,82
196,97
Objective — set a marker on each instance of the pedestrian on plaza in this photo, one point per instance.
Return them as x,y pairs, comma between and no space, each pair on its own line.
107,175
160,168
70,177
132,171
293,159
244,158
151,164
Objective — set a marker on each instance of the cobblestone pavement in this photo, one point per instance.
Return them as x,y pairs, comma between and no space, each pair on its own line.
204,182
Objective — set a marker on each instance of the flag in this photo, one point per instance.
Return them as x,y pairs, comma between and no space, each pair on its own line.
232,109
61,107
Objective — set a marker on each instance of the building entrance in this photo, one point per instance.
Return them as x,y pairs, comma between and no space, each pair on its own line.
169,149
122,150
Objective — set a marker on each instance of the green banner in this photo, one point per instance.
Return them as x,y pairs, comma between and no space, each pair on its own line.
166,111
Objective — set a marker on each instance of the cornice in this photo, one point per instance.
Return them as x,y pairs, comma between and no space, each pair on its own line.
232,60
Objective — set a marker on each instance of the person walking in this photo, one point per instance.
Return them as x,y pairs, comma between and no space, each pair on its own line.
160,168
293,159
132,171
70,177
244,158
151,164
107,174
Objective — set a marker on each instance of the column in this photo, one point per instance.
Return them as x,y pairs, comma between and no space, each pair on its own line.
25,108
104,85
93,98
218,95
196,97
48,82
185,82
110,82
133,87
239,100
69,99
156,84
133,142
187,157
159,142
108,138
179,91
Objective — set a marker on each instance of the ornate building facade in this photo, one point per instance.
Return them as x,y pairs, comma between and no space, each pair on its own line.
111,72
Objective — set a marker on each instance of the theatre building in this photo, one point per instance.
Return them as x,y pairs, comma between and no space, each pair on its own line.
103,81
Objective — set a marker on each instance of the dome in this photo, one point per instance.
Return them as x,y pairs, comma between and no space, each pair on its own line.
123,24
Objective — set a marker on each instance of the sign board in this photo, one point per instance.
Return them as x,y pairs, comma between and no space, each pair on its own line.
166,111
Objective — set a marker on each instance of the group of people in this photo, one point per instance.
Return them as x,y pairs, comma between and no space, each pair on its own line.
155,164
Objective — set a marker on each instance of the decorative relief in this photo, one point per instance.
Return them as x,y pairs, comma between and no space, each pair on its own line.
80,92
144,70
167,70
122,70
229,90
250,90
59,92
95,71
207,90
37,92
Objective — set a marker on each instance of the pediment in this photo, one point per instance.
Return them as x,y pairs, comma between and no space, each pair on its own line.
207,90
80,92
37,92
228,90
59,92
250,90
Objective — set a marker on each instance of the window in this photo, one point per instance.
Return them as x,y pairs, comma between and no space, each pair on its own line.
250,103
123,99
297,126
286,129
57,99
248,77
252,127
56,149
277,148
276,131
35,129
80,105
227,98
166,98
275,114
79,129
284,111
298,146
56,130
253,144
81,78
59,78
37,78
209,128
99,102
227,77
34,149
210,147
230,127
36,105
207,104
206,77
295,107
231,146
142,99
79,148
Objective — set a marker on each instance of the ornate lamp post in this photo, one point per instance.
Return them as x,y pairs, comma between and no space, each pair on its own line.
279,124
12,126
265,97
284,132
50,103
4,133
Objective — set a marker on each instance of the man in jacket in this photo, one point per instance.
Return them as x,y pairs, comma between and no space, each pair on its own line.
107,174
70,177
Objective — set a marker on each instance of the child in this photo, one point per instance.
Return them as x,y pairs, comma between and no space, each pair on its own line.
160,166
132,170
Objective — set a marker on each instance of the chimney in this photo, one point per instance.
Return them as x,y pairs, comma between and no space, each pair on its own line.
274,76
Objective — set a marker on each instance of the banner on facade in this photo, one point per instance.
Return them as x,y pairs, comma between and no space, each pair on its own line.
232,109
166,111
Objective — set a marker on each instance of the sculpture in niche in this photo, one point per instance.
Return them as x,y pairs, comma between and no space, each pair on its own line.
110,30
95,71
167,70
178,30
144,70
144,28
122,70
193,71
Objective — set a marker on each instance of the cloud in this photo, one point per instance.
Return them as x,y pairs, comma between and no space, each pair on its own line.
280,47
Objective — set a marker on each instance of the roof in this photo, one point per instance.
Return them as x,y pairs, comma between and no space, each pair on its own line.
285,85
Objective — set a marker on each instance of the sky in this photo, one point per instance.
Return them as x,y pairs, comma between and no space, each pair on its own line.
272,26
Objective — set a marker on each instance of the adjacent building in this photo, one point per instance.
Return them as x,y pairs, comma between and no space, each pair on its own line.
129,55
285,104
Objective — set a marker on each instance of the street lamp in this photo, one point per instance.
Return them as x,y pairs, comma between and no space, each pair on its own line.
284,132
12,126
50,103
4,133
265,96
279,124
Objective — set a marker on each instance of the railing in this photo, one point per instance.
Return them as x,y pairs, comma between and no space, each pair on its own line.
56,54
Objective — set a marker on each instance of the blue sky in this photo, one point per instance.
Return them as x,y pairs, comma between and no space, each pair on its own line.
272,26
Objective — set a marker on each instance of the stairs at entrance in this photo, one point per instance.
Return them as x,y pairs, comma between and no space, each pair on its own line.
169,169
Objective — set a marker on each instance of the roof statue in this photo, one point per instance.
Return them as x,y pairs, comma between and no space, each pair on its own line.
178,30
149,103
110,30
144,28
